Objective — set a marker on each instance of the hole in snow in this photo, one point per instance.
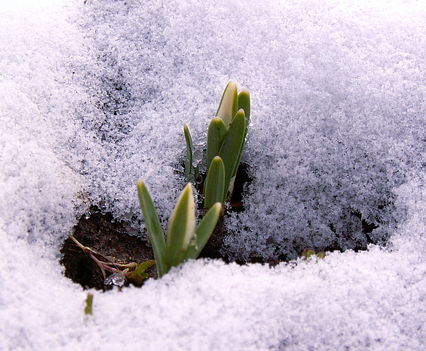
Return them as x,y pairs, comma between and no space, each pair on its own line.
108,237
111,239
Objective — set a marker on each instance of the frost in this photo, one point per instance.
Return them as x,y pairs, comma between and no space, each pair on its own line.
95,95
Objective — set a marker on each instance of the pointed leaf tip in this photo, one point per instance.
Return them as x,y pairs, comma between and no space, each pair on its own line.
215,135
229,103
188,188
244,102
181,226
189,170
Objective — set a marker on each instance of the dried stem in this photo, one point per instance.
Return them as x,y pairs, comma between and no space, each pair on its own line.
104,263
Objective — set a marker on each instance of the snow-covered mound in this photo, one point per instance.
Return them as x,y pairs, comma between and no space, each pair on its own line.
94,95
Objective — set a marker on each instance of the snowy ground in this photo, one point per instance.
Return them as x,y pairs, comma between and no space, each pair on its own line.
94,96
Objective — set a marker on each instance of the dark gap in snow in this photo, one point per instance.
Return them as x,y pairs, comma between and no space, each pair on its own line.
243,179
116,239
108,237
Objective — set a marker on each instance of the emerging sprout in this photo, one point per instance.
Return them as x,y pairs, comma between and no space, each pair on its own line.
214,183
188,162
185,240
88,308
225,142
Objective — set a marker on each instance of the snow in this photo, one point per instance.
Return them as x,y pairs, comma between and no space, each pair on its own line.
95,95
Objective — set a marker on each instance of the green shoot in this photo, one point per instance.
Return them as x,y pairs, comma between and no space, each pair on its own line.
226,138
139,275
225,141
153,226
244,103
189,171
215,135
228,105
203,231
88,309
215,183
231,148
184,240
181,227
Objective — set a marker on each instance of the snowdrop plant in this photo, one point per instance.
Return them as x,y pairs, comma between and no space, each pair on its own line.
184,239
225,142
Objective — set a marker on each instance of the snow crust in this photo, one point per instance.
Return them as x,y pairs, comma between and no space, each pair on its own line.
94,96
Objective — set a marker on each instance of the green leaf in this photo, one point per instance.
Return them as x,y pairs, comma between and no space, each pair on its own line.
204,231
155,233
228,105
138,276
181,227
230,151
214,185
142,267
215,135
244,102
189,174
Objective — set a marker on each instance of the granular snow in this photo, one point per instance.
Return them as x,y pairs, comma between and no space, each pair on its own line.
95,95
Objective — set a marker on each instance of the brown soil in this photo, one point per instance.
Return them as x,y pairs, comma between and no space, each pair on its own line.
109,238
